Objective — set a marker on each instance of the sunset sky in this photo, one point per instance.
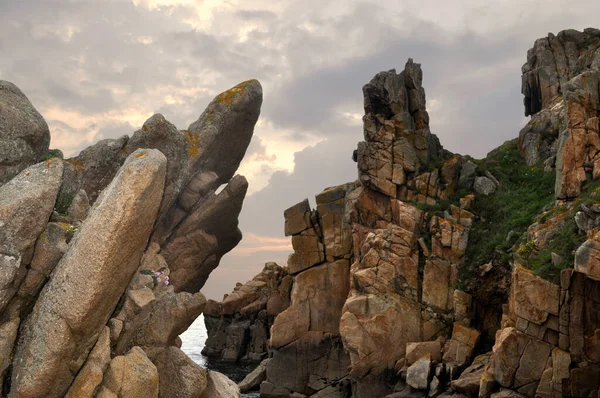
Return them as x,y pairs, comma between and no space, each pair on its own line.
99,69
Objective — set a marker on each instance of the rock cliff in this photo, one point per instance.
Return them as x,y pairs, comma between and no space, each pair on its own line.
435,274
102,256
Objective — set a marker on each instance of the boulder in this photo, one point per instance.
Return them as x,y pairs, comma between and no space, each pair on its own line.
253,379
220,386
587,259
415,351
417,375
484,186
77,302
79,207
179,376
24,134
132,376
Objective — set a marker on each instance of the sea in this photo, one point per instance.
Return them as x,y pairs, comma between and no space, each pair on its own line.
193,342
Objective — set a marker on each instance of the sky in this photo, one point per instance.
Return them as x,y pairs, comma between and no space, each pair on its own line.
98,69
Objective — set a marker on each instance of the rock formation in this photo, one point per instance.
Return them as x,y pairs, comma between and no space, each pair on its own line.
238,327
103,255
388,296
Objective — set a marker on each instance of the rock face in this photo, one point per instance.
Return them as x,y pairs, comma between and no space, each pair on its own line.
374,307
24,134
238,327
103,255
365,282
560,85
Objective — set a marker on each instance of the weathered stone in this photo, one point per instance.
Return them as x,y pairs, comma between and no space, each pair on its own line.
337,232
308,251
467,175
24,135
161,321
253,379
91,374
317,299
77,302
220,386
8,336
26,203
132,375
209,231
533,297
179,376
460,348
158,133
415,351
436,281
587,259
417,375
484,186
92,170
219,138
79,207
297,218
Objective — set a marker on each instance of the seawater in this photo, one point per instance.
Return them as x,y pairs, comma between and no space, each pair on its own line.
193,342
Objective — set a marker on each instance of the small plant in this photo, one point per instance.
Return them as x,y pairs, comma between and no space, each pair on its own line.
54,153
158,277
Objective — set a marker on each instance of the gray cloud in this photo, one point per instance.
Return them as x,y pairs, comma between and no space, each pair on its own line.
312,59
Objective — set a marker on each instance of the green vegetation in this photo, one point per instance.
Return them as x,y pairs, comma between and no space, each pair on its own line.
564,239
54,153
523,193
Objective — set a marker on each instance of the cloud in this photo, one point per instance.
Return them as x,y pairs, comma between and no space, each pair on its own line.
100,69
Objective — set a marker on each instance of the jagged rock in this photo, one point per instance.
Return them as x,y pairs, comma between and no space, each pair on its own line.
467,175
253,379
26,203
469,381
79,207
484,186
210,230
297,218
63,325
249,310
587,259
219,386
161,321
179,376
132,375
318,360
460,348
396,128
337,235
417,375
536,297
91,374
555,60
24,134
219,138
415,351
316,304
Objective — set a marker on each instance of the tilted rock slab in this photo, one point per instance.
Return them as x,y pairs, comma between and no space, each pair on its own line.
26,203
89,280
